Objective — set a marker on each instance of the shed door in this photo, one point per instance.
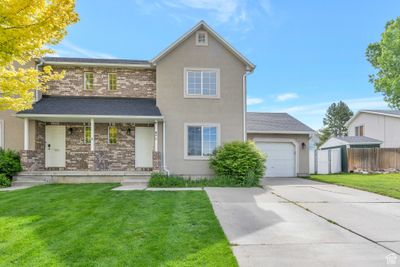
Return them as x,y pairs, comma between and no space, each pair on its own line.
281,158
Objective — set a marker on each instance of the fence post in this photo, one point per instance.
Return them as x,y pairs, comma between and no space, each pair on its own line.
329,161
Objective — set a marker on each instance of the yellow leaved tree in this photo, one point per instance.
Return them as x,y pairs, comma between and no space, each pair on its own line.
27,28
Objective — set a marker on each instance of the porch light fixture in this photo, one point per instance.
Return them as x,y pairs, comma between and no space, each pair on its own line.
303,145
70,130
128,131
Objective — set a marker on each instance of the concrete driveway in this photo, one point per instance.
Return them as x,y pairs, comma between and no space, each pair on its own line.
298,222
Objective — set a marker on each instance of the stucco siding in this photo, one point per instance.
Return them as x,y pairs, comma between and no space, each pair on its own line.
14,131
177,110
303,157
384,128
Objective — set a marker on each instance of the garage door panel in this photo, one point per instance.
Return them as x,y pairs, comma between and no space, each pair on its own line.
281,158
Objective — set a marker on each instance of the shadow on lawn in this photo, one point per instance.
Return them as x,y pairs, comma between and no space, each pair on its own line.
91,225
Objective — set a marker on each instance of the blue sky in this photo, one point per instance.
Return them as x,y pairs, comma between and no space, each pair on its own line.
308,53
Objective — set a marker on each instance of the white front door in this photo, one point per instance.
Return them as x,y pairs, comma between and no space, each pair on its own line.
55,146
281,158
144,144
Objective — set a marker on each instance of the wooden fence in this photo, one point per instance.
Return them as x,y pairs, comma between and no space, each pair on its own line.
373,159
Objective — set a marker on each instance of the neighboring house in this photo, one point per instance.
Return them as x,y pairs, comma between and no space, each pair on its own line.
351,142
382,125
284,139
127,116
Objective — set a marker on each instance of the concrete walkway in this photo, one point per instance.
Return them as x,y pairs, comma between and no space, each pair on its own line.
297,222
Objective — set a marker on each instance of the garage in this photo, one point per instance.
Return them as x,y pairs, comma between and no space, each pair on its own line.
284,139
281,158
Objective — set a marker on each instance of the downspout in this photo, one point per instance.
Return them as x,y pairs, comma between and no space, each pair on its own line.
248,71
41,63
164,153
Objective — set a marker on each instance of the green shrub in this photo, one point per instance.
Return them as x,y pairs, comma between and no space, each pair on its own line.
240,160
4,181
10,162
163,180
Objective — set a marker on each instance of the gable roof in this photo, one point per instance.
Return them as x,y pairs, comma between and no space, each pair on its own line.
383,112
203,25
96,62
269,122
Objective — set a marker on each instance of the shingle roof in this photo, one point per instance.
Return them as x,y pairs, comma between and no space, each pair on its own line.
358,140
107,106
274,122
384,111
94,60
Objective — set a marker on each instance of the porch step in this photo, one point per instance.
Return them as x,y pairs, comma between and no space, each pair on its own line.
142,181
42,177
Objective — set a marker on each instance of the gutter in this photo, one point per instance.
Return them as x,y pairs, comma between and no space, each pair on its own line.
248,72
138,66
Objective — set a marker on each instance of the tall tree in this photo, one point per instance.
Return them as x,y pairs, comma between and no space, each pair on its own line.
27,28
336,117
324,135
385,57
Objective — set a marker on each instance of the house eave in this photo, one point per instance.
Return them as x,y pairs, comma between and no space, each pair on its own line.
280,132
89,64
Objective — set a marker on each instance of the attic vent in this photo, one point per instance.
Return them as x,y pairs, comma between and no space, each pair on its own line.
201,38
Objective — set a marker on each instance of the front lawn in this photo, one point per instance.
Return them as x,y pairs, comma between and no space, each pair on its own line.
384,184
90,225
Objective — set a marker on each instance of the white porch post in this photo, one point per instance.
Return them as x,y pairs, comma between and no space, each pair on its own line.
155,136
91,134
26,134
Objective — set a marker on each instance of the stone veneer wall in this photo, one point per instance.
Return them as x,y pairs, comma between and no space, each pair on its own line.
106,157
135,83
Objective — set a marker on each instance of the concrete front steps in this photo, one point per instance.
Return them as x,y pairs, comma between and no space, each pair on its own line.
31,178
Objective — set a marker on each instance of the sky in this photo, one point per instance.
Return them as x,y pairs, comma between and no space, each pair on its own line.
308,54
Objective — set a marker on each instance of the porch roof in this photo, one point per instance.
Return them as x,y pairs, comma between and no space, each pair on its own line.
92,107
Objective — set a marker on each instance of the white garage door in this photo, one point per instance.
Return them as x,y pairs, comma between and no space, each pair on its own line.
281,159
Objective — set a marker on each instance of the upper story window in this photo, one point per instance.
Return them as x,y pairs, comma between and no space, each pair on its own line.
359,130
201,38
202,83
88,80
112,81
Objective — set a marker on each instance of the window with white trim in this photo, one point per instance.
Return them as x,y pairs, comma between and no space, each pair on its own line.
87,134
201,38
203,83
202,140
359,130
88,81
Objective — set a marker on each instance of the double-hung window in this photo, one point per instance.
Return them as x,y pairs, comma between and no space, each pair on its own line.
88,81
112,81
359,130
202,83
201,140
87,132
112,134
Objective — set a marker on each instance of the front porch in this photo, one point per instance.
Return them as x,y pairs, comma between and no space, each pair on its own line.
117,142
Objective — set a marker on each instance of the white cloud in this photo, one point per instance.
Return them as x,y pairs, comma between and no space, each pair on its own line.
254,101
234,12
68,49
354,104
286,96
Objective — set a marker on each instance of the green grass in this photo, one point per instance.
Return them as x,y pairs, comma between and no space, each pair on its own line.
161,180
384,184
90,225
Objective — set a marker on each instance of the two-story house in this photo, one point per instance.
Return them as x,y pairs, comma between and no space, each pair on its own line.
120,117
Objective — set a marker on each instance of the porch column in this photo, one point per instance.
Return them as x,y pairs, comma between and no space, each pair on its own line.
91,134
26,134
156,136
